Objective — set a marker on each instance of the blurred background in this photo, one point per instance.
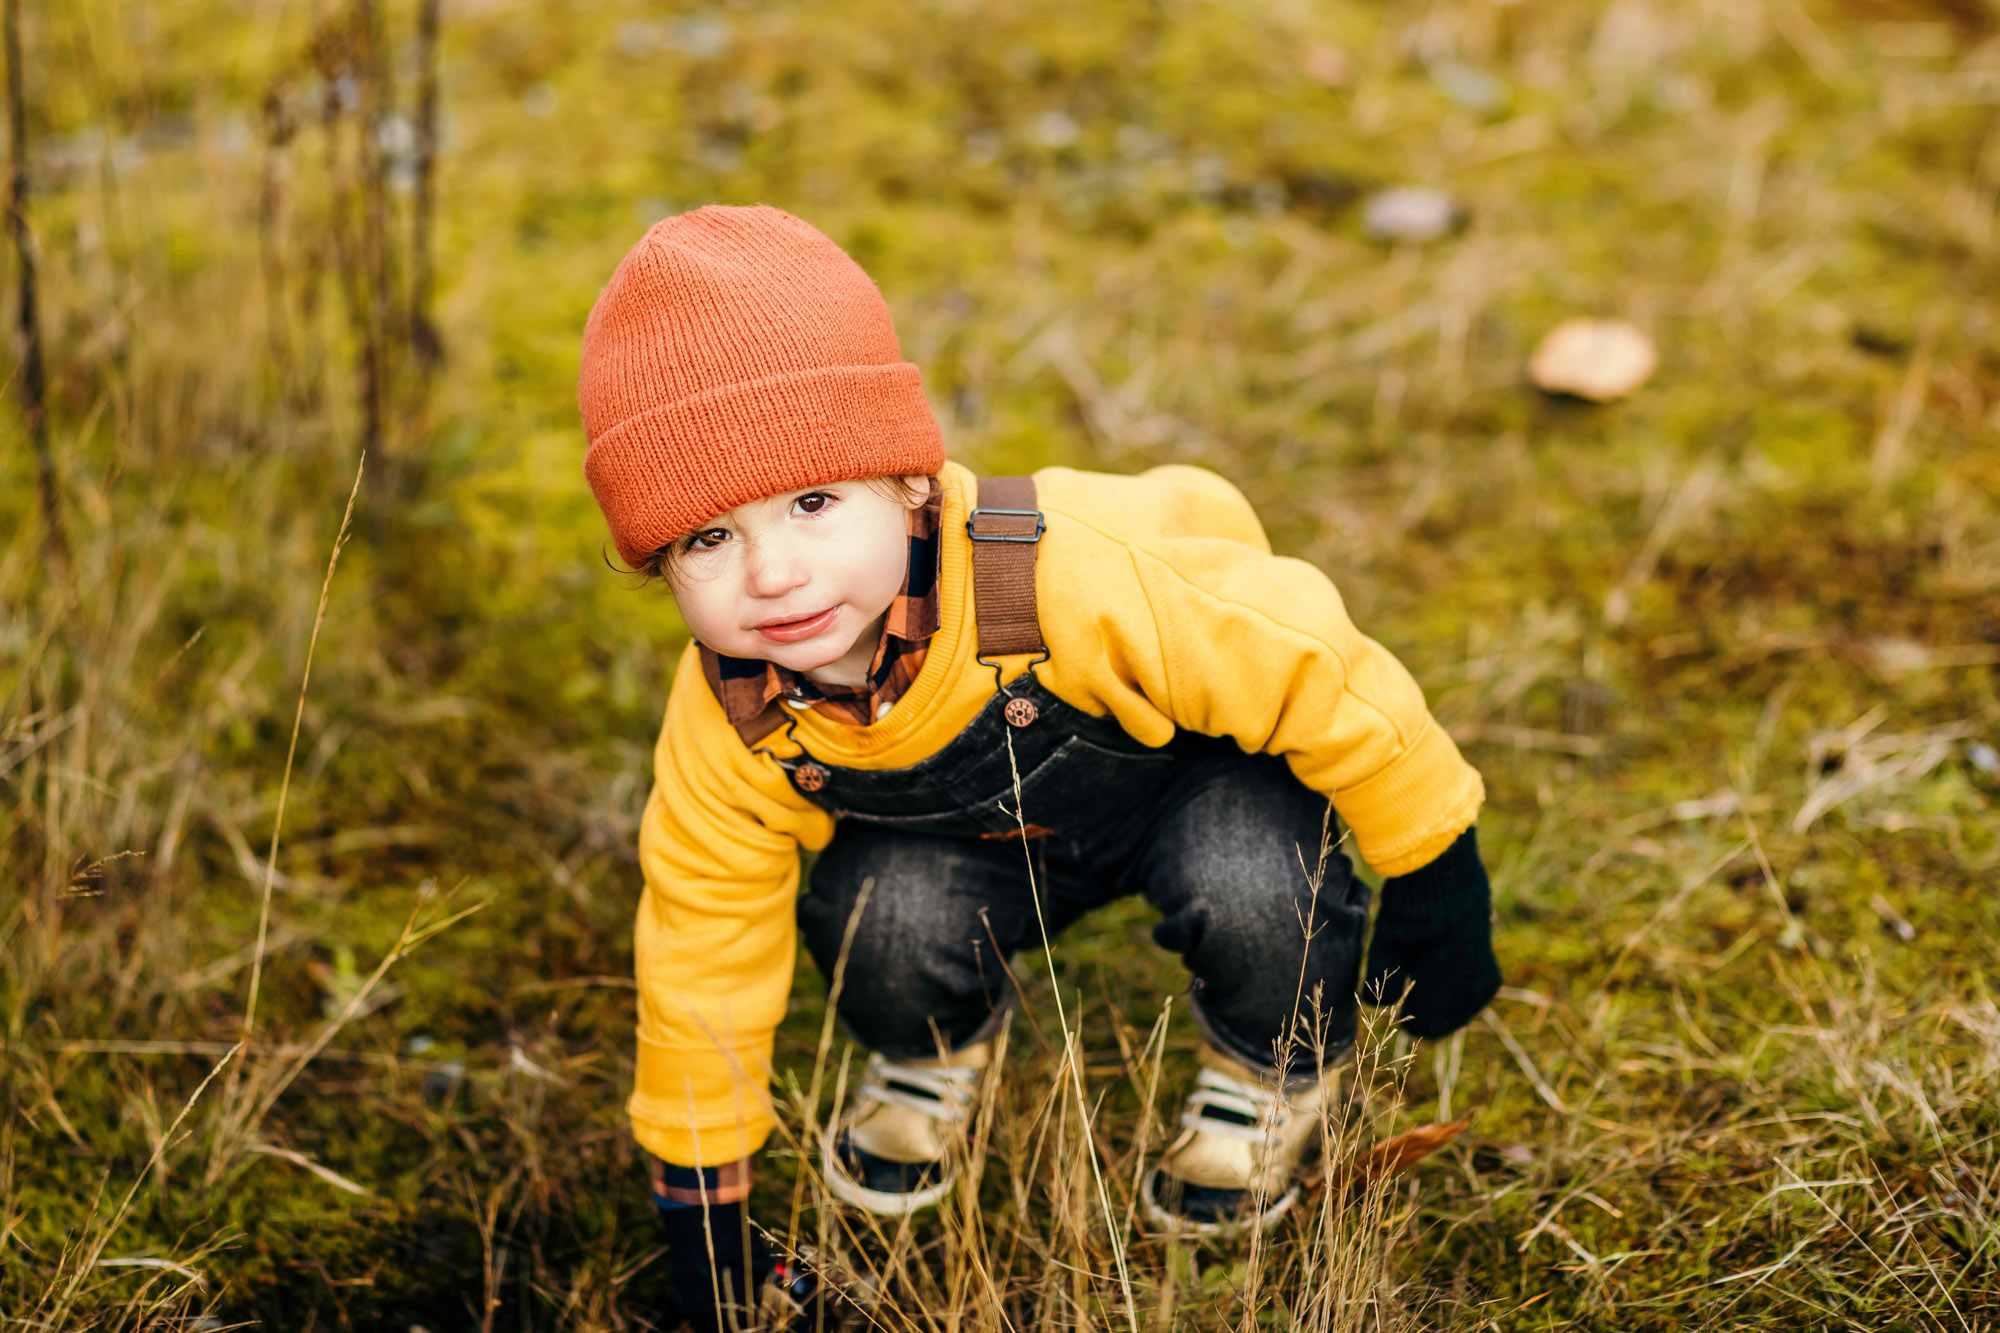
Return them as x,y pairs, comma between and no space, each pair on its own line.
1722,638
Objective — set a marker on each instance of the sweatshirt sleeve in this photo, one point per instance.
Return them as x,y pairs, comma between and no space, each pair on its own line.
1221,637
715,939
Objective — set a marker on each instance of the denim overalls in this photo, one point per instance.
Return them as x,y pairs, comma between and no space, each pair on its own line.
1226,845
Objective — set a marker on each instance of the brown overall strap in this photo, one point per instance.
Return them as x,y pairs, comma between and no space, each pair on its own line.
1005,528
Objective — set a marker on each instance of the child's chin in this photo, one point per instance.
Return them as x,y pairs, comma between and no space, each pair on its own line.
801,657
812,661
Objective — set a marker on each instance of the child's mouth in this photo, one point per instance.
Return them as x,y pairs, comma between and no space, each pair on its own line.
794,631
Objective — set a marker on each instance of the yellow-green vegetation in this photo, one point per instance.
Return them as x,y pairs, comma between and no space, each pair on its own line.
1726,651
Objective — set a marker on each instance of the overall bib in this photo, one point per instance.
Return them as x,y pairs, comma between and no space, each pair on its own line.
1232,850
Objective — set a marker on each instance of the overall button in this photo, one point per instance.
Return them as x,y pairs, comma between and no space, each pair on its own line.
1020,712
810,777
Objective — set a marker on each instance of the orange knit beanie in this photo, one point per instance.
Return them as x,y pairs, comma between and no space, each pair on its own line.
738,353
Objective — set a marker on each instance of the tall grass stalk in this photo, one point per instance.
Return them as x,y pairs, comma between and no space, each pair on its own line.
291,756
1072,1055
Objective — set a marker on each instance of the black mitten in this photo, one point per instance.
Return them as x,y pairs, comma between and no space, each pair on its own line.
718,1263
1434,935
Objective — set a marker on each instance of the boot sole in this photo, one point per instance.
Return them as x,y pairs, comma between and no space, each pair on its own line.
1160,1217
880,1202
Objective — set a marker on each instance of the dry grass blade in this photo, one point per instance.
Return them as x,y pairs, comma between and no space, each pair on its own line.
1073,1058
60,1298
238,1123
1525,1061
292,750
1857,761
299,1159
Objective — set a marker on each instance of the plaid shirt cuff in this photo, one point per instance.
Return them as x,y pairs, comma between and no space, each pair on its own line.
695,1186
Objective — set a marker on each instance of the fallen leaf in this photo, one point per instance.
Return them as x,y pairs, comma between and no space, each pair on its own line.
1411,1146
1392,1155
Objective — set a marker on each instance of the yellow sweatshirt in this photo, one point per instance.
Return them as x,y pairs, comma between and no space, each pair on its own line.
1161,605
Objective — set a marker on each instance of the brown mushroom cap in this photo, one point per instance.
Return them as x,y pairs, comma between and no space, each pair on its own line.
1597,359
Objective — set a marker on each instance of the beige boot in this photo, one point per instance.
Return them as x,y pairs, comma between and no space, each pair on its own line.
1236,1161
901,1147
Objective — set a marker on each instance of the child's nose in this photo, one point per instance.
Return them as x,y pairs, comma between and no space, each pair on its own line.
774,569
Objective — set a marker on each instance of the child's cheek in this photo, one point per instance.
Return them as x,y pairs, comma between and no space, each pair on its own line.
705,607
836,546
871,551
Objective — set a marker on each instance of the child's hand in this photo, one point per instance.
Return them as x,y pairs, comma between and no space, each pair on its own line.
1434,937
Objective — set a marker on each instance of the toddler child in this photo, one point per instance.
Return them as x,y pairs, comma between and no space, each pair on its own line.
873,626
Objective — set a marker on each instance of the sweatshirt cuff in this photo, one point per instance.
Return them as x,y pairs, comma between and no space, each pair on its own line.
702,1106
684,1145
1408,813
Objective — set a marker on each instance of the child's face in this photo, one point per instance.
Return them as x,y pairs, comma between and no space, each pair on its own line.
797,578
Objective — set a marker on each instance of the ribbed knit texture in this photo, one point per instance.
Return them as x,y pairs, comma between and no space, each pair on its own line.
737,353
1434,937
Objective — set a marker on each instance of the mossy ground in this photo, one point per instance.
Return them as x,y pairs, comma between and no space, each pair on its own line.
1723,1088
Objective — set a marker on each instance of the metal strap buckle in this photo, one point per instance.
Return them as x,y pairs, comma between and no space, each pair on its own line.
1041,526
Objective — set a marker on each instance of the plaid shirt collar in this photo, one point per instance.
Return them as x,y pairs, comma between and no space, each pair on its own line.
752,691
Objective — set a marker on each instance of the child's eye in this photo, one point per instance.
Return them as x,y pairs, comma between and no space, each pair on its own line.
707,540
812,502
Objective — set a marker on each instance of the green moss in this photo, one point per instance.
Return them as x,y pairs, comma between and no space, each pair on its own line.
1113,235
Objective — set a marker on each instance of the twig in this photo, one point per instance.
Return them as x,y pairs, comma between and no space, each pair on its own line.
372,69
574,983
424,339
34,379
279,129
